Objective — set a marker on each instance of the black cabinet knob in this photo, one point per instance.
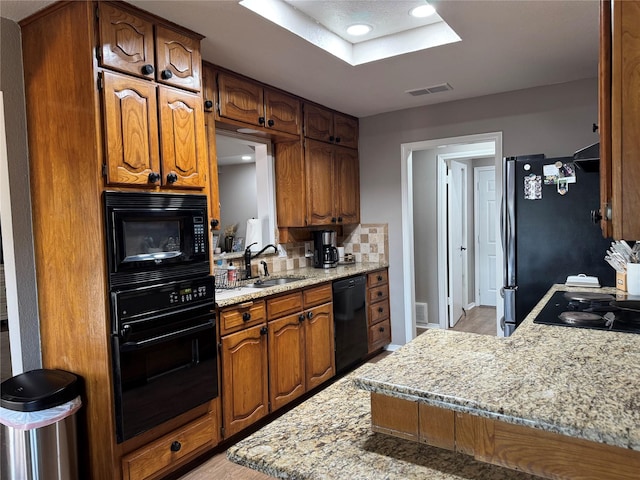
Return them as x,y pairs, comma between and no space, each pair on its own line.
166,74
339,219
208,104
333,219
380,309
594,127
309,315
381,329
596,216
301,317
154,177
379,294
264,331
172,177
214,223
379,278
271,123
337,139
261,120
147,69
246,316
176,446
331,138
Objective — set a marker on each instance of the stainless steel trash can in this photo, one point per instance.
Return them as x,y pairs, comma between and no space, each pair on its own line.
38,416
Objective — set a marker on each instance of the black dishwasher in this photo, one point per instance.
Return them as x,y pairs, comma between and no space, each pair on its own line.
350,321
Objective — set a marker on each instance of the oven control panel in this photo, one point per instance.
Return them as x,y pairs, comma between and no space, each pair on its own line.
167,297
199,232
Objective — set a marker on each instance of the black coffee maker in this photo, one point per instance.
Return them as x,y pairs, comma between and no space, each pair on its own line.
325,253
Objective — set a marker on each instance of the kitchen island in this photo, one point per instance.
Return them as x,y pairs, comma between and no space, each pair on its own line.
578,384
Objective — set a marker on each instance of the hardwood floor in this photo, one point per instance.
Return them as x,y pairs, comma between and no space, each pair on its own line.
480,320
218,467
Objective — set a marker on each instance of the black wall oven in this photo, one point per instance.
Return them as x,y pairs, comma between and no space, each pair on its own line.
163,336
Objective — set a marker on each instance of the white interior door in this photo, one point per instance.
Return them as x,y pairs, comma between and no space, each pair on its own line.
457,224
485,215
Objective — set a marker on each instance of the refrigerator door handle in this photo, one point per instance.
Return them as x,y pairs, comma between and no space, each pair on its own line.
508,222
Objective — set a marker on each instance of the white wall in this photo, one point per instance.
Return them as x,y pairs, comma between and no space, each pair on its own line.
238,195
555,120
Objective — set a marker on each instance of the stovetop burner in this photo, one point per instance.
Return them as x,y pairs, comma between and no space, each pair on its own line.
589,310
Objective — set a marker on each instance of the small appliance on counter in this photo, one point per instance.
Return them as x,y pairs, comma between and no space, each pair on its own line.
325,252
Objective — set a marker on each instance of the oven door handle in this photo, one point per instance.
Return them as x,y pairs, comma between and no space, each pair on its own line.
129,346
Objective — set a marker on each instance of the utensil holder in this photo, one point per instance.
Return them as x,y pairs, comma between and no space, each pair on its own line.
621,281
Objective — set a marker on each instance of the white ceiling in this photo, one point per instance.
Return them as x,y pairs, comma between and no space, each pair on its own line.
506,45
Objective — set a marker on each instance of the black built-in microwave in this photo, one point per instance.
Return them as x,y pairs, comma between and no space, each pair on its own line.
155,237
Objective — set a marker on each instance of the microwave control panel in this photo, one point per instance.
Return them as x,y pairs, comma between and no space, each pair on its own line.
199,235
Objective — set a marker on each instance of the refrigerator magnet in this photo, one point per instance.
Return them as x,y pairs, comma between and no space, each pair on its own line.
532,187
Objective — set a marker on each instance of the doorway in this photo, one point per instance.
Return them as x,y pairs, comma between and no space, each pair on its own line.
425,245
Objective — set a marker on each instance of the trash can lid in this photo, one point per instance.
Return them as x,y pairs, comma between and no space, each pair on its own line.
38,390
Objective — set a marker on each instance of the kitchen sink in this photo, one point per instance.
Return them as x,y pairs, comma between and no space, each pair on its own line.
273,282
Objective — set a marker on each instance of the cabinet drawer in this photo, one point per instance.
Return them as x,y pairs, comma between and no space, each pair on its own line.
378,311
375,279
284,305
379,335
166,452
377,293
240,316
317,295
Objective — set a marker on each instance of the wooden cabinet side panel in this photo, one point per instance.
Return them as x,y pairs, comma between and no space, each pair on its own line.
319,345
604,113
126,41
245,390
286,360
130,129
178,54
628,101
319,183
184,144
290,184
436,426
465,433
394,416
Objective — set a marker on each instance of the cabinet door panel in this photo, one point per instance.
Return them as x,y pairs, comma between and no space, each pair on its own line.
179,55
290,184
283,111
319,180
240,99
244,369
345,130
183,138
347,177
286,360
131,129
126,41
319,345
318,123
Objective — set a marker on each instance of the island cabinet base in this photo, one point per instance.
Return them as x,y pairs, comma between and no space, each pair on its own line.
542,453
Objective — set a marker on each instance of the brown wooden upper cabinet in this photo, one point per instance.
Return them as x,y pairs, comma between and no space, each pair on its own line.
329,126
332,184
250,102
619,118
128,44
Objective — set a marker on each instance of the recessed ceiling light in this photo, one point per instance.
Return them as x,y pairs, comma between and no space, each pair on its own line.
246,157
359,29
422,11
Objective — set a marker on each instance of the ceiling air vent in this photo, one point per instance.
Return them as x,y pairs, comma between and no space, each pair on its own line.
443,87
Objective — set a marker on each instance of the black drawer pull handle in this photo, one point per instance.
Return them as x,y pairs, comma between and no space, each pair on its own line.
246,316
379,294
379,278
381,329
380,309
176,446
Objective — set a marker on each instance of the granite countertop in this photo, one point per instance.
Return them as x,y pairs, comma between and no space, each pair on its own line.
329,437
577,382
309,276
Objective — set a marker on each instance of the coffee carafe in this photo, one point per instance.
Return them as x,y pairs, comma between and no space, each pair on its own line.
325,253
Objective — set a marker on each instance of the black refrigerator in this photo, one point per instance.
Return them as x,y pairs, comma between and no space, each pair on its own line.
547,230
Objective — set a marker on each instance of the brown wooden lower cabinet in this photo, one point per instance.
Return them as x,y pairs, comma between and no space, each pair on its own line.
542,453
165,454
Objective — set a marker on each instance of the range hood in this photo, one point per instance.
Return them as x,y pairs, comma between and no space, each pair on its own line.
588,158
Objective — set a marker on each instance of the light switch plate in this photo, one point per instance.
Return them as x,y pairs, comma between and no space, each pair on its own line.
308,249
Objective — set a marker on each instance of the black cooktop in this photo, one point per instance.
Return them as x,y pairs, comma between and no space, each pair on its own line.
591,310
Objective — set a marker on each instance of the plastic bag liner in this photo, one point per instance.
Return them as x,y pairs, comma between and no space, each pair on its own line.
39,419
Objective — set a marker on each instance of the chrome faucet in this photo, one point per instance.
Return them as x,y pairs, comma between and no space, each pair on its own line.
248,257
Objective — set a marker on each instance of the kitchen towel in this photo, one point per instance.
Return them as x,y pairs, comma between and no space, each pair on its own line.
254,234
